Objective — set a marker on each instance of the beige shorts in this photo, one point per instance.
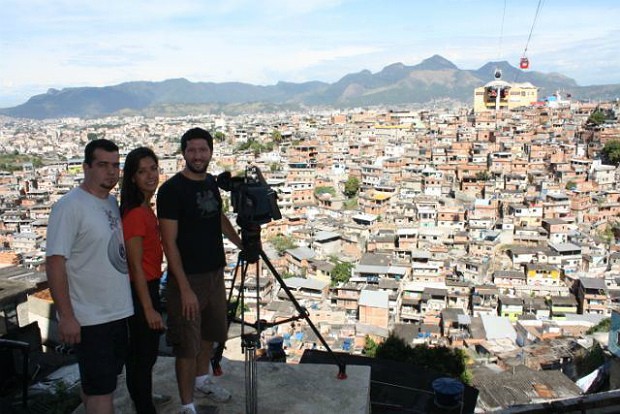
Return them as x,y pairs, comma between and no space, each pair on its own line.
185,336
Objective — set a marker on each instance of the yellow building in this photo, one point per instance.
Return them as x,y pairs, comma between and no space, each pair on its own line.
542,274
511,95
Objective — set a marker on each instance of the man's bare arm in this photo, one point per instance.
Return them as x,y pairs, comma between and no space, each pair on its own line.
230,232
68,326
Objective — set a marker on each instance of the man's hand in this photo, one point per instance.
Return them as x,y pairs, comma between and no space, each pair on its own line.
69,330
154,320
189,304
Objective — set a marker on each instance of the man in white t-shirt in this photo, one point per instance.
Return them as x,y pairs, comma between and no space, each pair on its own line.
87,273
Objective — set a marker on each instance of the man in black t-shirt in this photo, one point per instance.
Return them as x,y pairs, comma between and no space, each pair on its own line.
189,207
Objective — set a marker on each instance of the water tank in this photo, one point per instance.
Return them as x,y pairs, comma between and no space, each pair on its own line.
448,392
275,351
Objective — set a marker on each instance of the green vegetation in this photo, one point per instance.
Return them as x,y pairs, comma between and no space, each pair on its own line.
276,136
571,185
596,118
602,326
587,363
14,162
611,152
341,271
351,187
286,275
448,361
482,176
609,237
255,147
91,136
370,347
219,136
282,243
238,309
350,204
324,189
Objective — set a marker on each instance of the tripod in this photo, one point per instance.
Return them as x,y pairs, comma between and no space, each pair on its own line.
251,253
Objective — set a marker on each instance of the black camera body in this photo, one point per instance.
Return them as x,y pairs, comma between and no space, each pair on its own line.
254,201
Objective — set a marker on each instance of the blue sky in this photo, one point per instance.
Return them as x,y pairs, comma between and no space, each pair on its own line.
66,43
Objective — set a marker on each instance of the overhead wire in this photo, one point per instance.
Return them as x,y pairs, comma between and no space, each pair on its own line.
501,34
529,37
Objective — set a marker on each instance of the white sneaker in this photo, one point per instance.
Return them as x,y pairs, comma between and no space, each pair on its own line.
213,391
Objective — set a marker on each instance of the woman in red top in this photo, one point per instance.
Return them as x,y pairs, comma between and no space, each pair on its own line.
144,257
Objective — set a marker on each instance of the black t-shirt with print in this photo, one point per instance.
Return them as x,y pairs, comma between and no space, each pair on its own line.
197,207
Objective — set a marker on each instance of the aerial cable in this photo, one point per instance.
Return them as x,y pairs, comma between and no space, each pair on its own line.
525,63
498,73
501,33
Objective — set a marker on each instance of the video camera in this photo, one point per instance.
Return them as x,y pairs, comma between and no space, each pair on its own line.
254,201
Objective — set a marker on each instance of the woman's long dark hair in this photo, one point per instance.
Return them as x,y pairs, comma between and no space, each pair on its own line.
131,196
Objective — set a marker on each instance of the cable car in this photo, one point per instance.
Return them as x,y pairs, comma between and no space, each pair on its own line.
524,63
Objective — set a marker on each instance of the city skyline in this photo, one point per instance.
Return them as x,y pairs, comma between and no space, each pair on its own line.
60,44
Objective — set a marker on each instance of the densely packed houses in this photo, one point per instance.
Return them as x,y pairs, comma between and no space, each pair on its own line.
485,230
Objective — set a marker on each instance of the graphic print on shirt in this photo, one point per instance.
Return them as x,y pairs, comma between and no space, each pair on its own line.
116,247
207,204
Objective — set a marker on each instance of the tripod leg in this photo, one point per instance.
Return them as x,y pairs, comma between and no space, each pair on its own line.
304,313
251,391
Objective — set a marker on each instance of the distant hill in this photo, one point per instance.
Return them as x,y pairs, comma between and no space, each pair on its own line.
434,78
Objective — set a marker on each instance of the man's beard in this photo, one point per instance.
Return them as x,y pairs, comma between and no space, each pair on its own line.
108,186
197,170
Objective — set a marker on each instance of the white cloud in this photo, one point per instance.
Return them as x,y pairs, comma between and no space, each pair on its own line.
61,43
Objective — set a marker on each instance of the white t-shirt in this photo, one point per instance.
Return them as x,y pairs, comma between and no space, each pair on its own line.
88,232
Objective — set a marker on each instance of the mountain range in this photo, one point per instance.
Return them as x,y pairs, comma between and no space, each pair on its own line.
435,78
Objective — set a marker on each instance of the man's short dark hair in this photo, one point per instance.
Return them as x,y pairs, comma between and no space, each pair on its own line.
196,133
104,144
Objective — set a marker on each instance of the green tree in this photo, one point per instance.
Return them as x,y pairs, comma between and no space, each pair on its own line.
370,347
276,136
287,275
611,152
448,361
482,176
341,273
351,186
219,136
571,185
596,118
282,243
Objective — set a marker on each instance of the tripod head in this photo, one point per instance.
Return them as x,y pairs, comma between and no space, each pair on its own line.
252,246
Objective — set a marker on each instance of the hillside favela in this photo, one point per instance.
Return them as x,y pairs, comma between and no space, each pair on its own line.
454,255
